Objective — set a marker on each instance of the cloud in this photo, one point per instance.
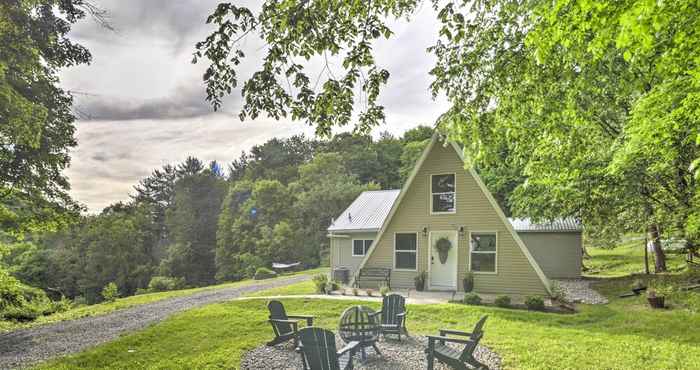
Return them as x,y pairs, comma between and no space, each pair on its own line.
142,102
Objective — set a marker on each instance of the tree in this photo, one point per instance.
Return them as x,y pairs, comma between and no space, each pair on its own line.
324,189
303,30
192,221
37,129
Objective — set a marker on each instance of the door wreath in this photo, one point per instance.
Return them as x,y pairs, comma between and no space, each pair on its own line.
443,246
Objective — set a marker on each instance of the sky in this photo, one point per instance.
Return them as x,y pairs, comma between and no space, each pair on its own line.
141,102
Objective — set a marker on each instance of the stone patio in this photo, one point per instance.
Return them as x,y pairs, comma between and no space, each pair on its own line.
407,354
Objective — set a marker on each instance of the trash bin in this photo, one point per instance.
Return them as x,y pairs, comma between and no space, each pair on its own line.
341,275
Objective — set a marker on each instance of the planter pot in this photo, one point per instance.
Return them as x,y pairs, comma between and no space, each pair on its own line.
656,302
468,285
420,286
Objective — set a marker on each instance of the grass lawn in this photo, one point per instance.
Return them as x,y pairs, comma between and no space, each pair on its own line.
303,288
626,259
121,303
624,334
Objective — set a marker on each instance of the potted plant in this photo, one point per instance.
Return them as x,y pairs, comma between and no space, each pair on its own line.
468,282
419,280
655,300
443,246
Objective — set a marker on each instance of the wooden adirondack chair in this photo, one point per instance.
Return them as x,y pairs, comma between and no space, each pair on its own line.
439,350
318,350
285,326
393,315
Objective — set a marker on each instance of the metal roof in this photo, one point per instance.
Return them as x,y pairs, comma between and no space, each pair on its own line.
557,225
367,212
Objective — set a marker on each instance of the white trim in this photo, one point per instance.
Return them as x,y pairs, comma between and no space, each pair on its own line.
393,256
469,241
503,217
430,194
331,235
352,247
430,256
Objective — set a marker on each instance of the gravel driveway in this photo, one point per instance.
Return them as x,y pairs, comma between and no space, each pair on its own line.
29,346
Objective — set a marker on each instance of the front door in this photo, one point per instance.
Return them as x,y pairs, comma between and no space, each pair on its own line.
443,260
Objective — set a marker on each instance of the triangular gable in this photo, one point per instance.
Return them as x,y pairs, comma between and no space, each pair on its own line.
434,139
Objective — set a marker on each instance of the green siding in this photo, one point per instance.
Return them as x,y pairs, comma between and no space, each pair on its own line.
474,212
341,250
558,254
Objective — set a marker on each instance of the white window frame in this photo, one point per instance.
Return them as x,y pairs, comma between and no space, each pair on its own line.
393,256
430,193
365,247
471,252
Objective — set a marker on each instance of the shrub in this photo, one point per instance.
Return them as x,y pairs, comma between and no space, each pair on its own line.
61,305
502,301
264,273
19,302
535,303
321,282
165,283
472,299
110,293
384,290
355,292
468,282
369,292
26,312
334,285
557,292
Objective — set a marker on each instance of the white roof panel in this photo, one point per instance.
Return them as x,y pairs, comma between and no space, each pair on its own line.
558,225
371,208
367,212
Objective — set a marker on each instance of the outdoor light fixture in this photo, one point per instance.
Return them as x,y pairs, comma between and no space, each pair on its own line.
461,231
425,231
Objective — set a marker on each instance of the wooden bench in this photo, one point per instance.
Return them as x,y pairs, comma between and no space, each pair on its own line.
373,274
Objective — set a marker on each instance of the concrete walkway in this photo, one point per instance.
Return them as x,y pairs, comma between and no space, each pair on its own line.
412,297
26,347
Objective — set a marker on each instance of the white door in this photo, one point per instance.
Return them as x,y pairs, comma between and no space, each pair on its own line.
443,269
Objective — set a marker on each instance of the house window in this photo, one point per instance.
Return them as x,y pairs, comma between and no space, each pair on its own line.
360,247
442,191
405,251
483,252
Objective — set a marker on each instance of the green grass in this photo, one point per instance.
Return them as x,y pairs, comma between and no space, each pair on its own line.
625,334
626,259
303,288
121,303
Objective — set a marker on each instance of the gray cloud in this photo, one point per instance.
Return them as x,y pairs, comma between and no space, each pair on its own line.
144,104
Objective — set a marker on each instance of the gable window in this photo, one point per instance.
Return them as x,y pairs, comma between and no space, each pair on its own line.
442,193
483,252
360,247
405,251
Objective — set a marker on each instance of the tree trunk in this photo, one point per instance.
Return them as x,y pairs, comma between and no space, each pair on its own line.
660,260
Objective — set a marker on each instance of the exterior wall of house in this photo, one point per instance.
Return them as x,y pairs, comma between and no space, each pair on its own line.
341,250
474,212
558,254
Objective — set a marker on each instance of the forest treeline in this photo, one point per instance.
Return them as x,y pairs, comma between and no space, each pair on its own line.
197,223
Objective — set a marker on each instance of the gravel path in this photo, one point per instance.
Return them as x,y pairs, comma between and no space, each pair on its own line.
29,346
580,291
408,354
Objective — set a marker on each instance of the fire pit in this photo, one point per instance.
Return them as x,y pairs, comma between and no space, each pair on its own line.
359,323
